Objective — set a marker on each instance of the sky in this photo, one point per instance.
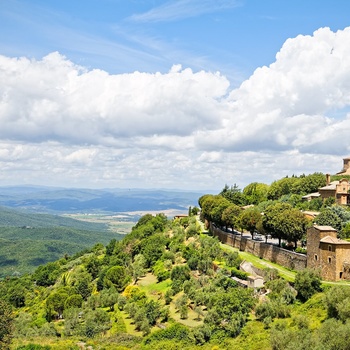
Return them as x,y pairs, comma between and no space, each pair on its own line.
172,94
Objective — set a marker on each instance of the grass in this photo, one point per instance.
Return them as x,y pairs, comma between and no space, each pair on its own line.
252,337
262,263
151,286
156,290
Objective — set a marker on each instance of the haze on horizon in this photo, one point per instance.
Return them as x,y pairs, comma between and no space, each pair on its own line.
182,94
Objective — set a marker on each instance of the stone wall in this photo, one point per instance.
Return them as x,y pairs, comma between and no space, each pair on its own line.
280,256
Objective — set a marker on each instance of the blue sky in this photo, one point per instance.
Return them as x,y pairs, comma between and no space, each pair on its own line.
173,94
231,36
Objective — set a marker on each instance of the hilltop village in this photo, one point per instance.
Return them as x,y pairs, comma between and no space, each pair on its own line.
325,250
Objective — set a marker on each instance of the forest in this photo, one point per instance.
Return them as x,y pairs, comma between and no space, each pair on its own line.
168,284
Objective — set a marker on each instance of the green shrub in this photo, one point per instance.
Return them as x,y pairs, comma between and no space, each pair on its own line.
239,274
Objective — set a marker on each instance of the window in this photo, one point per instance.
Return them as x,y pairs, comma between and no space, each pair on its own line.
316,257
330,248
329,260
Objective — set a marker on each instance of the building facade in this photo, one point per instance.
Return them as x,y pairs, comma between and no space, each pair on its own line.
327,253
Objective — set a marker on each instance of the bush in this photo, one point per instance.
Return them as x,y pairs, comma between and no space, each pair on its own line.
175,331
307,283
301,250
239,274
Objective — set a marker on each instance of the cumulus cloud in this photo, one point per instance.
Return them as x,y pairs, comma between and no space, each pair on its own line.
53,99
287,105
158,129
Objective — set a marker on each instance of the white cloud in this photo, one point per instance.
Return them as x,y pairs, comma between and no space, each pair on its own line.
53,99
181,129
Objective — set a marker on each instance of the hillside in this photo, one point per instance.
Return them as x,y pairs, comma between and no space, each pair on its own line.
20,218
28,239
157,289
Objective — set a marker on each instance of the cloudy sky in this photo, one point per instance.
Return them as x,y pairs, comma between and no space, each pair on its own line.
180,94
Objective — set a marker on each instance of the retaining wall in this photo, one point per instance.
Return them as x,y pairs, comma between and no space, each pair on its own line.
262,250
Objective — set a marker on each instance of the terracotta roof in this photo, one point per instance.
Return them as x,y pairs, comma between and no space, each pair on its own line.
331,186
333,240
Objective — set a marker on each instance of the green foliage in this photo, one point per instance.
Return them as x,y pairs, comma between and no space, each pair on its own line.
152,248
233,259
117,277
296,185
36,246
46,275
284,222
249,219
73,301
307,282
256,193
96,322
328,217
281,187
175,331
233,194
238,273
160,271
337,299
180,273
230,216
6,325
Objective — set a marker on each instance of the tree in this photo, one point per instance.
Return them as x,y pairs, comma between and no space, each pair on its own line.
117,276
233,194
281,187
336,297
16,295
73,301
293,225
230,216
152,248
309,184
307,283
328,217
71,320
249,219
46,275
96,321
273,220
56,302
233,259
199,311
6,325
82,284
216,212
256,192
138,267
180,273
152,311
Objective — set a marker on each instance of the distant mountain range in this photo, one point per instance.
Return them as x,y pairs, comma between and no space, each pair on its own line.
63,200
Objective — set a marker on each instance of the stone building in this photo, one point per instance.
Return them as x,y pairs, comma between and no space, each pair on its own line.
346,167
339,189
328,253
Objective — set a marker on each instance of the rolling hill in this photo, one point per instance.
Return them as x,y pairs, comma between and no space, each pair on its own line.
28,240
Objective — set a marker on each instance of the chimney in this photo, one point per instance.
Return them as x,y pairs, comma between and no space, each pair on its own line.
328,179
